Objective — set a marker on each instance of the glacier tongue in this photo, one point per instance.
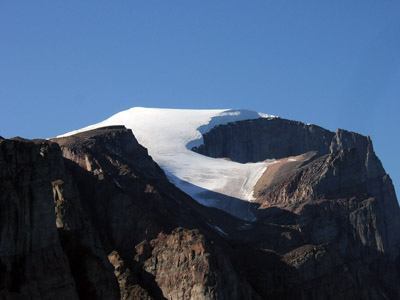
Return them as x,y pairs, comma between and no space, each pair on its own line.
169,134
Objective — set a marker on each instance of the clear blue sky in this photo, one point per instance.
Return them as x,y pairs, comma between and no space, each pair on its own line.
68,64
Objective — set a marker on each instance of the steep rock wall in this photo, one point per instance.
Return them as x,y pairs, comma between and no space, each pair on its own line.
261,139
32,262
48,247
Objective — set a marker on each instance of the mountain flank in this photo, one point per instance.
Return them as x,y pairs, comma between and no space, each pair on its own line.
92,216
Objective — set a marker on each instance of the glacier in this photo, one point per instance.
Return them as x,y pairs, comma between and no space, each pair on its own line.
169,134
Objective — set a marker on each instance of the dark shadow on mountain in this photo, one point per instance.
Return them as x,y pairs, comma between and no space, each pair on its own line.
97,197
237,207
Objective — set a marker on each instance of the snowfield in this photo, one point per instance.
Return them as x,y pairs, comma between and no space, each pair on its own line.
169,134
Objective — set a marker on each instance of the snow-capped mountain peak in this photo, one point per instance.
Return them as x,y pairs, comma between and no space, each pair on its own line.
169,134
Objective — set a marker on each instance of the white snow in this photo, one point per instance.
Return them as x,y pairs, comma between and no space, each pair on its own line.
116,182
221,231
169,134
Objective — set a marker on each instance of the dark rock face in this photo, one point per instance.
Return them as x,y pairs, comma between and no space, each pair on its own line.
260,139
32,262
39,259
327,225
89,264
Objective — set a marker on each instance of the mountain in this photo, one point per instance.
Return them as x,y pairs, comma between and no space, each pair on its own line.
169,135
230,204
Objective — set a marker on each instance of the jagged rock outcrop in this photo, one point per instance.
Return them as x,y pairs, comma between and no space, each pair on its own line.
127,279
188,256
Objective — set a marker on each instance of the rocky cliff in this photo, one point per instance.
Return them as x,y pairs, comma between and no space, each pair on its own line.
39,259
92,216
332,189
32,262
314,165
261,139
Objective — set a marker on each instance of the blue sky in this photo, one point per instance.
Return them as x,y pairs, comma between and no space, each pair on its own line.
68,64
